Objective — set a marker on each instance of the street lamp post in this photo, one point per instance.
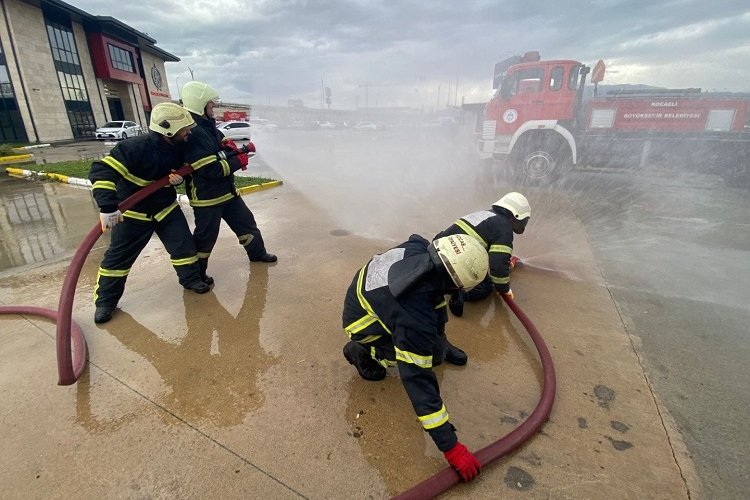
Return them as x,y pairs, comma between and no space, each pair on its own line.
177,82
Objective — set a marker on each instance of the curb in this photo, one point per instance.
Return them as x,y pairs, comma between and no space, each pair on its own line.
15,158
75,181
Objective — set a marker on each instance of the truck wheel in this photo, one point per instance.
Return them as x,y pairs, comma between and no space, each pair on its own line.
541,157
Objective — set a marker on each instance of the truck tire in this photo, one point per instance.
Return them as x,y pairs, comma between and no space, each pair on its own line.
541,157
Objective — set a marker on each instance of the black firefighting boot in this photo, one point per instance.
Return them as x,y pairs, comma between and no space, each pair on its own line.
456,303
359,356
203,264
266,257
103,314
454,355
198,286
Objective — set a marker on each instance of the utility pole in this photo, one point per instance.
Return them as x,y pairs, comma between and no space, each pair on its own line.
437,103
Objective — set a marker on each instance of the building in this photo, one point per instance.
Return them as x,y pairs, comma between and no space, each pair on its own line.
64,72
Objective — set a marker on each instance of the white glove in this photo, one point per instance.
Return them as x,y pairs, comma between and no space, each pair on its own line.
110,220
175,179
509,294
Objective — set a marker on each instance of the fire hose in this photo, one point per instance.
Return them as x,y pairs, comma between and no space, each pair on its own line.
448,477
70,365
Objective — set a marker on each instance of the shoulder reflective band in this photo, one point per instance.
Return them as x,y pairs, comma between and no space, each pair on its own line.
120,168
470,231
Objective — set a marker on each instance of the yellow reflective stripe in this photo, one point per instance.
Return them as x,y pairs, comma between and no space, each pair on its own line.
124,171
415,359
104,185
500,281
434,419
369,338
501,249
470,231
113,273
360,324
225,167
204,255
363,301
165,212
212,201
203,162
184,262
442,304
136,215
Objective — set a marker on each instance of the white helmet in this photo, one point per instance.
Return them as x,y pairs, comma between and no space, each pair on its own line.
168,118
516,204
464,258
195,96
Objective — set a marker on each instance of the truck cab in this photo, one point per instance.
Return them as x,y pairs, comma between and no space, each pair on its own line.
533,113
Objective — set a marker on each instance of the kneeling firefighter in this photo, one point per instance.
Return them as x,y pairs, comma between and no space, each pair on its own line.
393,317
494,229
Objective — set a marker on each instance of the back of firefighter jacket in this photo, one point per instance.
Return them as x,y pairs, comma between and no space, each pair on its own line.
212,180
132,164
495,232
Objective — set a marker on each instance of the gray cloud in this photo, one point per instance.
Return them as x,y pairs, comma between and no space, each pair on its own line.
271,51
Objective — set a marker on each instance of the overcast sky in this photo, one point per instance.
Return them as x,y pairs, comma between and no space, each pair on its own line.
270,51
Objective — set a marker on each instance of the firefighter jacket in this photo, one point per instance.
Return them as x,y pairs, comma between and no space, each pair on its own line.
131,165
492,229
212,180
401,289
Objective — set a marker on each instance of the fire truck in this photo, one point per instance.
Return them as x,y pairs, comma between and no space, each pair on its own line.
543,120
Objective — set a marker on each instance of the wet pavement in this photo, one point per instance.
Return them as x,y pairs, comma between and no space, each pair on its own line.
243,392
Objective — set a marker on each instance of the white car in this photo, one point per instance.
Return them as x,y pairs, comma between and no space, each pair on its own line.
118,130
235,130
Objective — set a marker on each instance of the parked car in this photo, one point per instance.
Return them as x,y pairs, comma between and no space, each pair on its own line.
365,126
235,130
118,130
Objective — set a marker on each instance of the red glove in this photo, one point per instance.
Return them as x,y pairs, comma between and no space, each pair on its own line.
463,461
243,160
250,147
229,144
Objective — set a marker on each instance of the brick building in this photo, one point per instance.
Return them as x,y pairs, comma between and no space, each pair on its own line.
64,72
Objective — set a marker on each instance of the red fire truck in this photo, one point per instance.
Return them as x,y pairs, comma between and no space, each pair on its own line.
542,122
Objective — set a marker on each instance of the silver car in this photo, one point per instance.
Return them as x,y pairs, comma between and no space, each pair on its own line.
118,130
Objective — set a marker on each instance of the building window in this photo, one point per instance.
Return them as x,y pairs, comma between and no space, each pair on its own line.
70,76
121,58
11,124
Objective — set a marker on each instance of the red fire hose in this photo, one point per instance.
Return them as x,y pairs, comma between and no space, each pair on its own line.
70,365
448,477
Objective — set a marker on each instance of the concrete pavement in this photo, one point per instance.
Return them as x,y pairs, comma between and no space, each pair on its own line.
243,392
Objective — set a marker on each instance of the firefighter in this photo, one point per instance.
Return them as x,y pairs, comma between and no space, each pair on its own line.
211,186
494,229
131,165
393,318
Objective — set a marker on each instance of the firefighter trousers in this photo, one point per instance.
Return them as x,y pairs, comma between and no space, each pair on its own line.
368,331
479,292
240,220
129,238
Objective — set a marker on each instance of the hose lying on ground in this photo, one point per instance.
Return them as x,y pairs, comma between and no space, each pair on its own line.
70,365
448,477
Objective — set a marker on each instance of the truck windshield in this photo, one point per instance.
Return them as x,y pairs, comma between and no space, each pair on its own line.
524,81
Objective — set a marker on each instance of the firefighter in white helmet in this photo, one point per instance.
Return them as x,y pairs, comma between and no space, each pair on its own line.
494,229
211,187
392,318
132,164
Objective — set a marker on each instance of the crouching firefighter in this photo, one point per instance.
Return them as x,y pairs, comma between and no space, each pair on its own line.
494,229
393,317
131,165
